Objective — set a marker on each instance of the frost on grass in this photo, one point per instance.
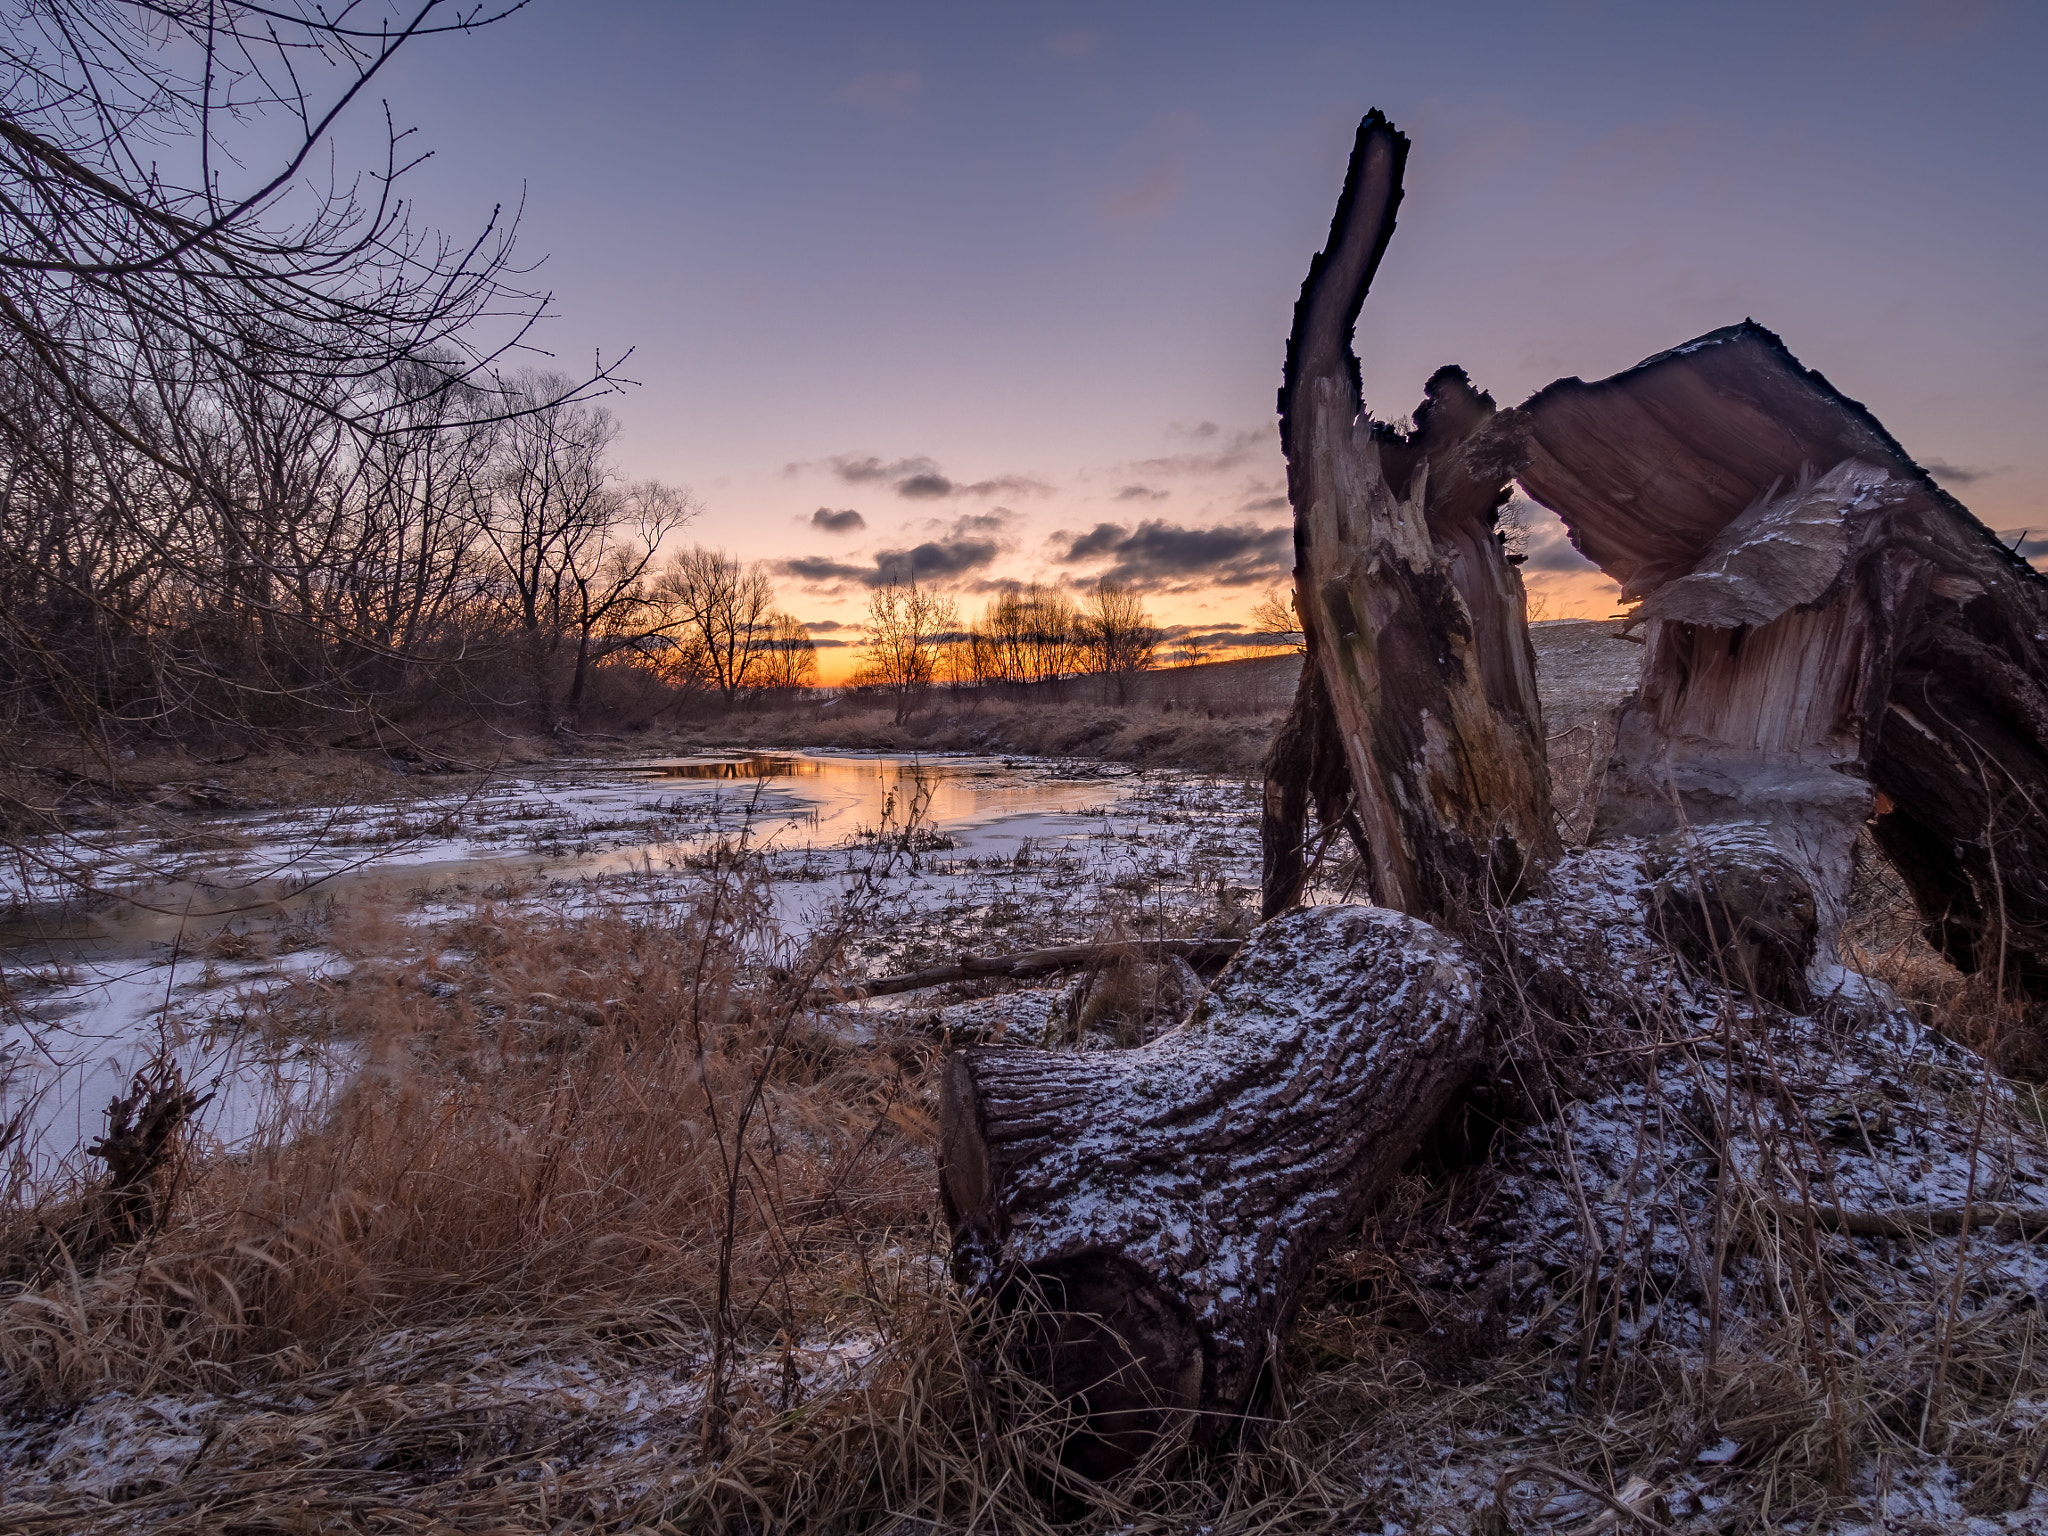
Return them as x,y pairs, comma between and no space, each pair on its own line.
1646,1275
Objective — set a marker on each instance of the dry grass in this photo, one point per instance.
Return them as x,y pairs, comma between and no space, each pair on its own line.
576,1249
1226,735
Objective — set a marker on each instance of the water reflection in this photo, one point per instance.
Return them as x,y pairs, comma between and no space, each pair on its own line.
97,985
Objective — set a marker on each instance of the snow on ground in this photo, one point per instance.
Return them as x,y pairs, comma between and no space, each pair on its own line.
199,922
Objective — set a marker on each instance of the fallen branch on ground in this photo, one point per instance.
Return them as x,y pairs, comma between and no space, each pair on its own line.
1039,962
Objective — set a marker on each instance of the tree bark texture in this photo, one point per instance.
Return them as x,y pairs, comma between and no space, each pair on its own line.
1413,615
1152,1213
1825,626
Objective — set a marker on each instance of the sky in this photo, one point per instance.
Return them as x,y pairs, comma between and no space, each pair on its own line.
1003,293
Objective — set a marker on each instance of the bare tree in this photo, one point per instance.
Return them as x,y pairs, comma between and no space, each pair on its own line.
790,659
722,613
1033,634
906,630
573,547
1119,634
1274,623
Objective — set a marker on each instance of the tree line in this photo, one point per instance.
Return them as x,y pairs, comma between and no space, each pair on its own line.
1030,635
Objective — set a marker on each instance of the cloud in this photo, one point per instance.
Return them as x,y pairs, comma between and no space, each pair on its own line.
860,468
1141,493
944,561
1549,548
844,521
2028,544
1232,452
939,559
1266,504
880,91
1158,553
996,520
1076,44
1957,474
1007,485
918,478
823,626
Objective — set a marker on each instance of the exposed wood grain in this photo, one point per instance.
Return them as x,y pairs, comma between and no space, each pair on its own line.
1413,616
1823,623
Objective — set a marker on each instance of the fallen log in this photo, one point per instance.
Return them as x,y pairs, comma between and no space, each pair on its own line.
1149,1215
1199,953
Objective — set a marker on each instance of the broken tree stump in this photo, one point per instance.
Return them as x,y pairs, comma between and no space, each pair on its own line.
1824,625
1414,618
1152,1213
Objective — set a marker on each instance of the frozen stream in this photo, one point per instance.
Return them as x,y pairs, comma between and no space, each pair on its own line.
189,920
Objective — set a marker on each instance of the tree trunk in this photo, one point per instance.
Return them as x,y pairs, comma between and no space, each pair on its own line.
1149,1215
1414,617
1828,634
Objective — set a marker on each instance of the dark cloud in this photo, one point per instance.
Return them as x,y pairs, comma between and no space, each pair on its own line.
936,559
816,571
844,521
919,478
1557,555
1159,553
823,626
1549,548
2025,542
1217,637
1141,493
1266,504
860,468
1957,474
942,561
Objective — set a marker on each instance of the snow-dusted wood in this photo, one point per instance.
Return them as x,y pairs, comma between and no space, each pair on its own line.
1153,1212
1824,626
1413,616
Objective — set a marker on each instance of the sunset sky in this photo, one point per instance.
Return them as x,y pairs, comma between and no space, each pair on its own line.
1005,292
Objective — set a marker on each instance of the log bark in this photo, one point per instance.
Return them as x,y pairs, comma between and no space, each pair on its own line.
1149,1215
1414,617
1825,626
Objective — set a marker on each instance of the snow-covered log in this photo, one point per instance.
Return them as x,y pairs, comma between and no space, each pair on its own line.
1150,1214
1414,617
